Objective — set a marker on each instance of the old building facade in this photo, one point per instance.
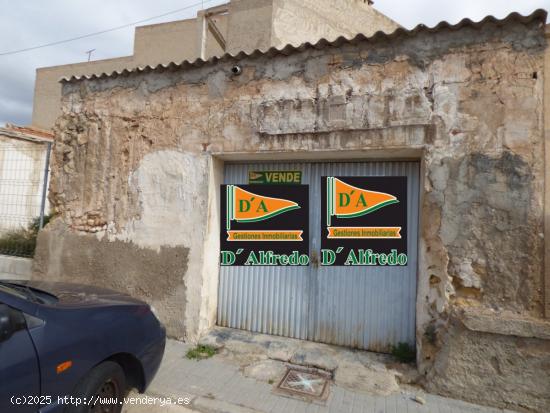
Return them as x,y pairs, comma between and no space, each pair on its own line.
239,25
140,156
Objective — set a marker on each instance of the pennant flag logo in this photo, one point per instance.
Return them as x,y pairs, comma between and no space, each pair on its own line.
348,201
244,206
254,176
356,227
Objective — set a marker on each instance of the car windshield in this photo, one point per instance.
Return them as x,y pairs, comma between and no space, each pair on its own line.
28,293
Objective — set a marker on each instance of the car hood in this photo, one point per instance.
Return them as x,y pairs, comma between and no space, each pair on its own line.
80,295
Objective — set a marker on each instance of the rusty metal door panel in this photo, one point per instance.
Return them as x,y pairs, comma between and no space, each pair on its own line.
361,307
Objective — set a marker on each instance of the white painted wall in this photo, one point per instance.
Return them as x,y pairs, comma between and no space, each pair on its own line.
21,182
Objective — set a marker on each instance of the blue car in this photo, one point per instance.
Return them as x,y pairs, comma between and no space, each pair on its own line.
73,348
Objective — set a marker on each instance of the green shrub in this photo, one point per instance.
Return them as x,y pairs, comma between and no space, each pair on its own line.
22,242
404,352
200,352
34,226
19,243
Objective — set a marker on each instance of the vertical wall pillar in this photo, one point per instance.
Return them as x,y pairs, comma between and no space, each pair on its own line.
546,113
201,19
211,250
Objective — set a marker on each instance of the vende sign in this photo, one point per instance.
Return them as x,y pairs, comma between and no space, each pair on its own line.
275,177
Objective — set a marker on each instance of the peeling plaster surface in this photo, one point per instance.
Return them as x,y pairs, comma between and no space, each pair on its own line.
156,276
171,187
132,162
171,210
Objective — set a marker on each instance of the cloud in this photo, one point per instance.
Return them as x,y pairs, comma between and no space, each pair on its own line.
13,111
28,23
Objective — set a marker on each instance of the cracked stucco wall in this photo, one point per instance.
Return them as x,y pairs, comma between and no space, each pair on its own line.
136,161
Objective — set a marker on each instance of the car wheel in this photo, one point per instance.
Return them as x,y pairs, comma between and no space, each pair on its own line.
101,391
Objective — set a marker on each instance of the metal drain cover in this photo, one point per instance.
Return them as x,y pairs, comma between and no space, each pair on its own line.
304,383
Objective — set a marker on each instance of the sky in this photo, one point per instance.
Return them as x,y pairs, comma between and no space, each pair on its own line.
29,23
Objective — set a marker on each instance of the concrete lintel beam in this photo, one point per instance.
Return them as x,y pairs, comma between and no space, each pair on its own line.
476,319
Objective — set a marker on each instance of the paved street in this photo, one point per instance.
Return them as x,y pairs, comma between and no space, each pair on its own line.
216,385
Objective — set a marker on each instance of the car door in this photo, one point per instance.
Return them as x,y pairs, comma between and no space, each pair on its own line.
19,372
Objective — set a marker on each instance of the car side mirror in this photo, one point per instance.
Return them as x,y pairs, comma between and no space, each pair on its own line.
7,327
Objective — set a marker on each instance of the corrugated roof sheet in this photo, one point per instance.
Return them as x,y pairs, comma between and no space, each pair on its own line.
538,15
27,132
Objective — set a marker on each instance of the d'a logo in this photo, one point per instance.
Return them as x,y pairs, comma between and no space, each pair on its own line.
348,201
357,228
244,206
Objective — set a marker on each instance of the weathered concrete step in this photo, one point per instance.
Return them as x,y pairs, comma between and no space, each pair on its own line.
219,384
265,358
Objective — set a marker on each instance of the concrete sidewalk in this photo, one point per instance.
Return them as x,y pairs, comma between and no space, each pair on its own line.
218,385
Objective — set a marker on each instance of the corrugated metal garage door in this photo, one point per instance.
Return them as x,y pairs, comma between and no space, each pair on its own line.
362,307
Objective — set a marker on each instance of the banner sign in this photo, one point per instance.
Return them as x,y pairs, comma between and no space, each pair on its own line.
264,225
364,220
275,177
